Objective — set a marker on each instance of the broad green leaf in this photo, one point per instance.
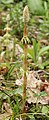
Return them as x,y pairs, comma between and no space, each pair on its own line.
45,5
30,52
43,50
44,110
18,91
36,6
33,52
31,117
43,93
7,1
40,66
44,64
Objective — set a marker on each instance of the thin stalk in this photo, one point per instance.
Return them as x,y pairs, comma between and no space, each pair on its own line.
13,49
25,69
0,47
25,29
7,54
25,77
25,40
6,38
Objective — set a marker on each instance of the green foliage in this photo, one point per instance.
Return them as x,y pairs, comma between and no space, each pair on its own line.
39,7
15,107
43,93
11,68
36,54
43,50
6,1
33,52
13,94
36,6
44,110
32,117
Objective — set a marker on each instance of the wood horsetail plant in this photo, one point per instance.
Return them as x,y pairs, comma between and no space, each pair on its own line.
6,38
25,40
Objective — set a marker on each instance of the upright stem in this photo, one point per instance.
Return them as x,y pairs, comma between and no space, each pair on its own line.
7,43
13,49
6,53
25,77
25,69
25,30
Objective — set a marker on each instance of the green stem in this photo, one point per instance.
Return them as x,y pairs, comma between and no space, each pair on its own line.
13,49
7,54
25,69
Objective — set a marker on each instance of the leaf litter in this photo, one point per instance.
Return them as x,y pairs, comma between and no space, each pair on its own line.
36,88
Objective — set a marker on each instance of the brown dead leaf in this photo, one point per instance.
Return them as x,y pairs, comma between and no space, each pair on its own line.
7,108
3,70
35,85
